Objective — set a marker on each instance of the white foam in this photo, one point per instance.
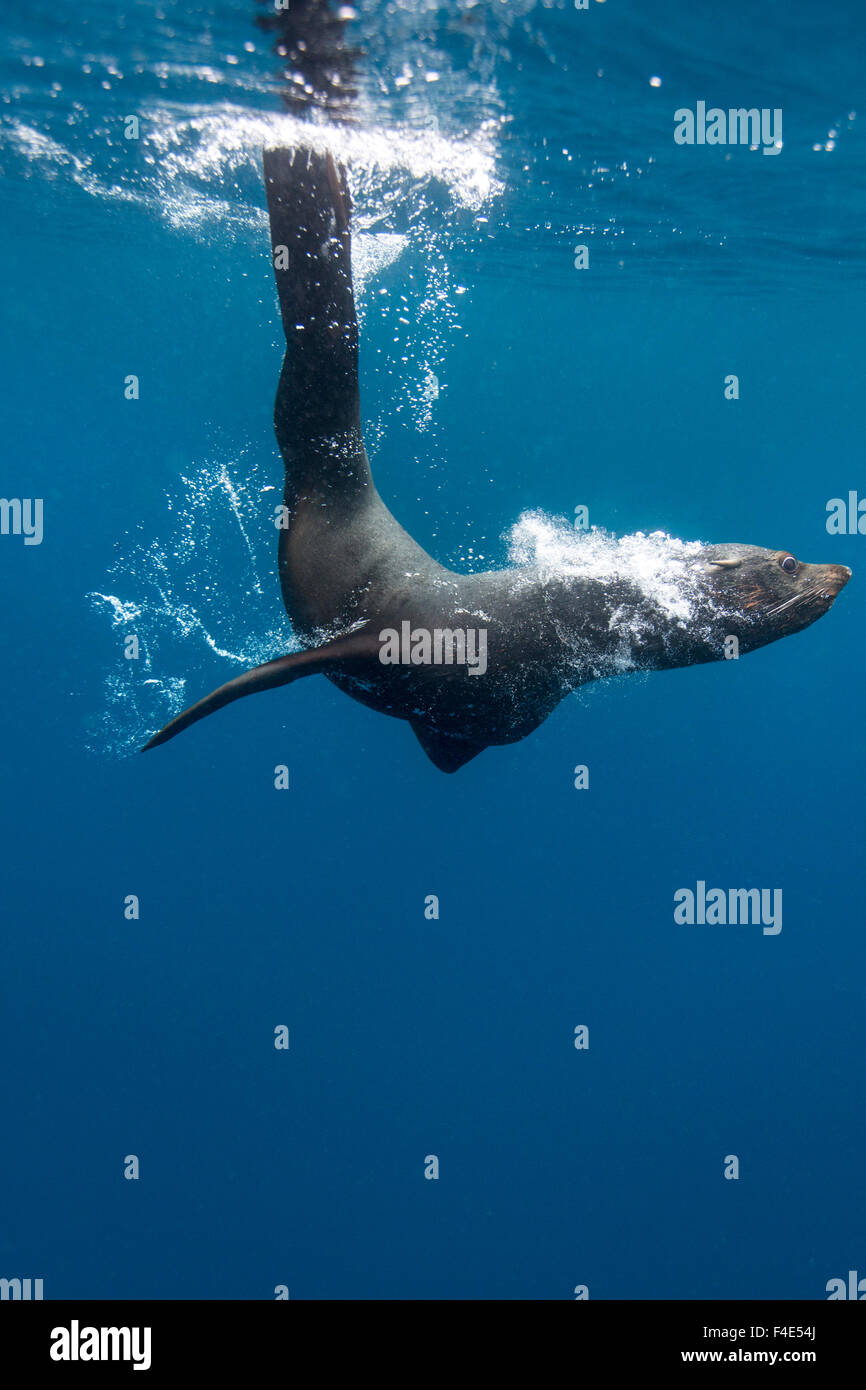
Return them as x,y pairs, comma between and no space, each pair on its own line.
186,597
373,252
658,564
217,144
213,141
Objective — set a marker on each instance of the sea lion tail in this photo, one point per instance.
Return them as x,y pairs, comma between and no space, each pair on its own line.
344,654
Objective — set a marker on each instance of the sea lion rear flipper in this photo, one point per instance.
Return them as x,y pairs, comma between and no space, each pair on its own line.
448,752
317,414
344,654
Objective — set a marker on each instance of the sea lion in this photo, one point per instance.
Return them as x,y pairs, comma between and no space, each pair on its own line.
469,660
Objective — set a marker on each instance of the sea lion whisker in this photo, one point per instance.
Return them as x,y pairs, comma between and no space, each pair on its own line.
792,601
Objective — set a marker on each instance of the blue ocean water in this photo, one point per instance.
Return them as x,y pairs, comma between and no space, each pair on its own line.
490,140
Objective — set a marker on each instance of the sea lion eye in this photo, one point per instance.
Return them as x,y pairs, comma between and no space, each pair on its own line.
789,564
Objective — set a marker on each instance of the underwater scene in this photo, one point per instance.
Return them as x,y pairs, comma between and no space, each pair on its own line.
516,952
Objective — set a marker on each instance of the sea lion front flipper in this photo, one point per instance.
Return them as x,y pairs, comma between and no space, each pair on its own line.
448,752
344,654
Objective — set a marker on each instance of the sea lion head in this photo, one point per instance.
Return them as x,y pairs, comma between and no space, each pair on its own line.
760,595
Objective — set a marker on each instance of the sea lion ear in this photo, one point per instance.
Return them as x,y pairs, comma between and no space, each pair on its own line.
448,752
725,564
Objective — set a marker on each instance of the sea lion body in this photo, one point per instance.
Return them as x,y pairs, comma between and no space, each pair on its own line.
396,630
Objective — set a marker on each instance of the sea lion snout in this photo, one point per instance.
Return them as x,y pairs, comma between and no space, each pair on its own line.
834,577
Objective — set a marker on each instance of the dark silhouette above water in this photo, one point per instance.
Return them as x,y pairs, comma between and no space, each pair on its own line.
318,66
